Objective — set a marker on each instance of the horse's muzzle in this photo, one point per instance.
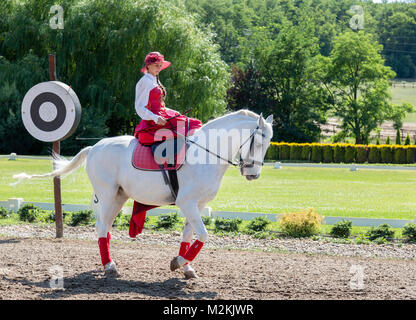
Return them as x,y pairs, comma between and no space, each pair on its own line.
252,177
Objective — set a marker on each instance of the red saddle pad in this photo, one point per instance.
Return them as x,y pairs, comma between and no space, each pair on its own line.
143,159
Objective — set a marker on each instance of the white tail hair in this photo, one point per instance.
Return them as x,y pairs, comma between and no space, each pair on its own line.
61,165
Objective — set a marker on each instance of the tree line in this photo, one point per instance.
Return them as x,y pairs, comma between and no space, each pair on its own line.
299,60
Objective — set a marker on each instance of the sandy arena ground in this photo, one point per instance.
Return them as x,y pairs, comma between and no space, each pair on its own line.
26,262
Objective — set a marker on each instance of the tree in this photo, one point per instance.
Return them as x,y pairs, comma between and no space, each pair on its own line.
358,83
100,52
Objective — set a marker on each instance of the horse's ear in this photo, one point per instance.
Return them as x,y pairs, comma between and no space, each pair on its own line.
261,121
269,119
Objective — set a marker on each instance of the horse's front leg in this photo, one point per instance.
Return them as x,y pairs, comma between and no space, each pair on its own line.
188,271
191,212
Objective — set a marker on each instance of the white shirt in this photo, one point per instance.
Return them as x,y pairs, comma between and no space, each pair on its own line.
143,88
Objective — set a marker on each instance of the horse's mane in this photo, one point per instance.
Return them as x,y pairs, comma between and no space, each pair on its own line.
242,112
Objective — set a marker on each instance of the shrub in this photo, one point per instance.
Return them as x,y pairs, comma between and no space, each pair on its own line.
386,154
272,153
285,152
361,154
398,137
227,225
83,217
350,154
4,213
407,141
258,224
316,155
339,154
301,224
399,155
167,221
374,155
206,220
410,155
382,231
387,140
341,229
28,212
328,154
295,152
122,220
409,232
306,152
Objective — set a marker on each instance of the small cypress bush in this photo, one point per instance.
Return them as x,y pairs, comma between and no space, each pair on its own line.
398,137
4,213
382,231
407,140
258,224
387,140
341,229
409,232
83,217
206,220
227,225
167,221
28,212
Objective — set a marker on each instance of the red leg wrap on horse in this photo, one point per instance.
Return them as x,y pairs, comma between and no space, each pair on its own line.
193,250
104,245
184,247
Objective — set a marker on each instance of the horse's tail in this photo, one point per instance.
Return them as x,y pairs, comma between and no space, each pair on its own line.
61,165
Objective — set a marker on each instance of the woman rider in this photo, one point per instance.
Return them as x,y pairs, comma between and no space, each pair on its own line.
150,103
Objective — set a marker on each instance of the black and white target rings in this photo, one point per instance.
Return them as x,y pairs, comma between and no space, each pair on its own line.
51,111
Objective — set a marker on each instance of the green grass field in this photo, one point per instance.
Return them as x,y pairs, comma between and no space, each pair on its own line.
407,94
331,192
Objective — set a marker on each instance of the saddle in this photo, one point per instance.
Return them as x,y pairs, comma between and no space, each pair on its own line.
166,156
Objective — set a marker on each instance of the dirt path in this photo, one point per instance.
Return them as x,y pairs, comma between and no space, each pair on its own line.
224,274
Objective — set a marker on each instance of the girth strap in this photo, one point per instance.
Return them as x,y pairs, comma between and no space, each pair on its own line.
172,181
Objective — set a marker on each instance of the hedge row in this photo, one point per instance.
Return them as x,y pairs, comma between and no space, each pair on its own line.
341,153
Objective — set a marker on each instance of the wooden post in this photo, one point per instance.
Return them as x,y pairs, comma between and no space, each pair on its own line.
56,147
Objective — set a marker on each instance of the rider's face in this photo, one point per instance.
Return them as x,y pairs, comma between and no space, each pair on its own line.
155,68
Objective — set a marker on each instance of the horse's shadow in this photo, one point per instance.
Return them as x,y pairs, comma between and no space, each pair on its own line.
93,282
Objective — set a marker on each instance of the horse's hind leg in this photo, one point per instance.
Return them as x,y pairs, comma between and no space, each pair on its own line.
109,205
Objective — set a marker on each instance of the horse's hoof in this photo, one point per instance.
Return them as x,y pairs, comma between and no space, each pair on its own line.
190,274
110,270
174,264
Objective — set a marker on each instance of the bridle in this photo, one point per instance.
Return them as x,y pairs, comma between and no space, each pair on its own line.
241,162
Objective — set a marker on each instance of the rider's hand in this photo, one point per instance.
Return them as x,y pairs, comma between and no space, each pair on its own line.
161,121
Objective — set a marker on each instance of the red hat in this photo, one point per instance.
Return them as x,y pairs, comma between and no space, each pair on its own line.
155,57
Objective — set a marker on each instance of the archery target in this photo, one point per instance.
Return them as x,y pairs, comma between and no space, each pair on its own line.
51,111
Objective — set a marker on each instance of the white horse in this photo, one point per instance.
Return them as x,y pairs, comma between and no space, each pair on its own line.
115,180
